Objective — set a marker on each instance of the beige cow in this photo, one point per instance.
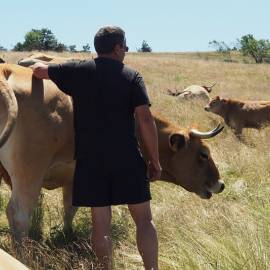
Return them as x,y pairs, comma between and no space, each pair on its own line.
37,146
239,114
193,93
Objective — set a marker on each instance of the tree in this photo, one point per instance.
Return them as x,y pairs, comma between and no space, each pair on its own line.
18,47
222,48
48,40
86,48
2,48
145,47
42,39
60,47
39,40
72,48
258,49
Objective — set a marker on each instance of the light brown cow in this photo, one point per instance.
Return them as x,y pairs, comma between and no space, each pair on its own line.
37,145
193,92
240,114
44,58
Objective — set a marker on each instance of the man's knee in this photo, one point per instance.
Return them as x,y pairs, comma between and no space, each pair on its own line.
141,213
101,221
144,221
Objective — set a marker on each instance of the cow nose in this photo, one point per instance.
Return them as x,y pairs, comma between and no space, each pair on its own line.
222,187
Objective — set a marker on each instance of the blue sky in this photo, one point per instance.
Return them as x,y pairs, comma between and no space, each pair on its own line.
167,26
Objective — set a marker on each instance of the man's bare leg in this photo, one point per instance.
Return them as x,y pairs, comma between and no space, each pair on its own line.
100,238
146,234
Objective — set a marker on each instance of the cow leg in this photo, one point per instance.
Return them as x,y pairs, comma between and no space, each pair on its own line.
237,127
69,210
20,207
26,177
238,132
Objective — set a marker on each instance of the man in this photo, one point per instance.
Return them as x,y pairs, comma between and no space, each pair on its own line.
109,167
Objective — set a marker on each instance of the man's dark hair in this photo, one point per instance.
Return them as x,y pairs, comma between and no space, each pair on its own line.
107,37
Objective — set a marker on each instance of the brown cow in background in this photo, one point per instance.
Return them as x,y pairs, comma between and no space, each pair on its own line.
239,114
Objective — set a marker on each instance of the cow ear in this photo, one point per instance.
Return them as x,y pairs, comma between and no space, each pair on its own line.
177,141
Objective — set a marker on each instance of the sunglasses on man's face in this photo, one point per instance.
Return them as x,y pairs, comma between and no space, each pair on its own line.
125,47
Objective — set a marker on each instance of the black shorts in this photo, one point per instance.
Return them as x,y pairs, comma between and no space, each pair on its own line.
95,186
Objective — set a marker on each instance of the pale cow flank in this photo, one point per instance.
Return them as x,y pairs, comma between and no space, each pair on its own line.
239,114
37,147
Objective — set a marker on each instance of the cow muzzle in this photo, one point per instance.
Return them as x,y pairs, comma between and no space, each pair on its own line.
209,191
217,188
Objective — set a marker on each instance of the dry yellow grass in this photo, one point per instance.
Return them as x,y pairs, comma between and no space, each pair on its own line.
230,231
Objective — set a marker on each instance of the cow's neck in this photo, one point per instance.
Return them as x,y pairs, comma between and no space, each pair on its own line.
164,150
166,176
223,112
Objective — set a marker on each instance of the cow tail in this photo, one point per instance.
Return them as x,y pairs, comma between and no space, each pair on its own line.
9,99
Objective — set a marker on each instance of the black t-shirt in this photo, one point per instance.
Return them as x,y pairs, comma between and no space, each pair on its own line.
105,93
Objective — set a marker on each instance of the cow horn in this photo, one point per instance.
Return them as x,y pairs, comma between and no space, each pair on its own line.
209,88
206,135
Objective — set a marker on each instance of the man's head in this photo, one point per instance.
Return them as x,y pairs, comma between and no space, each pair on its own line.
110,40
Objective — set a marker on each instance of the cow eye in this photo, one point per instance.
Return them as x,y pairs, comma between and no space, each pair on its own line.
204,155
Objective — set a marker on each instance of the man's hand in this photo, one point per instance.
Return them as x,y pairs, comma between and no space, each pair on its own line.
154,171
40,70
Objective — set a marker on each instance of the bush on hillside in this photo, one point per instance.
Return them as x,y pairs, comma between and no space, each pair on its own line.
145,47
72,48
86,48
2,48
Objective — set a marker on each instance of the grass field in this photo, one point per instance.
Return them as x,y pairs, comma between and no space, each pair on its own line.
231,231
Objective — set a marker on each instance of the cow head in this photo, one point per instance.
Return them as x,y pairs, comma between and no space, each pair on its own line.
186,161
215,105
